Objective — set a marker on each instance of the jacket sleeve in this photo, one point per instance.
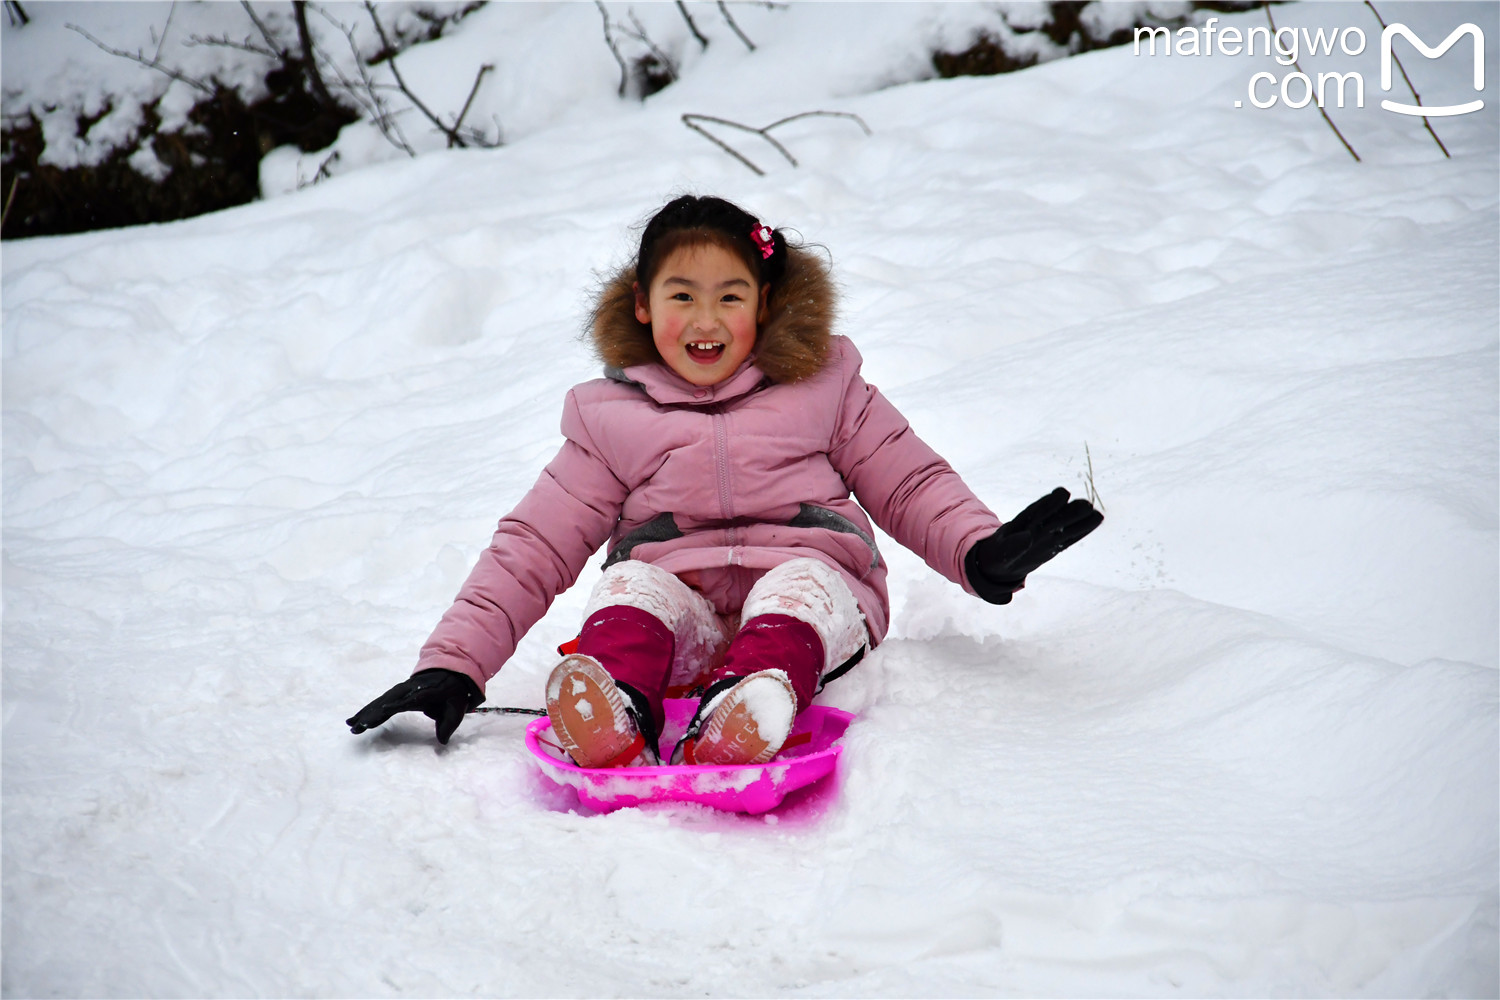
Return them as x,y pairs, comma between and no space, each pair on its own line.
537,552
909,490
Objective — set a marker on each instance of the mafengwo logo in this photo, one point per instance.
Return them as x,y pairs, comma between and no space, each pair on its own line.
1389,34
1296,89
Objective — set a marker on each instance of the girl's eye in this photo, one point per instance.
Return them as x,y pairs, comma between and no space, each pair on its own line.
682,297
730,297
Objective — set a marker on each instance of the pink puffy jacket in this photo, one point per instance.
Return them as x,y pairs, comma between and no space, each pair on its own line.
715,485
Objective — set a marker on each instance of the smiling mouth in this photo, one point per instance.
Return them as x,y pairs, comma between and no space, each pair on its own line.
705,352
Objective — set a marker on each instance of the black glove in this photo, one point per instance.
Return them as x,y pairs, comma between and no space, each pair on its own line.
997,566
444,696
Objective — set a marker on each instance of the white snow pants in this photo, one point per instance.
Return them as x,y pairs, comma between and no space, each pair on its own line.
805,589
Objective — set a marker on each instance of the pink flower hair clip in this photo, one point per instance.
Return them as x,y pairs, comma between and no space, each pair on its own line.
761,234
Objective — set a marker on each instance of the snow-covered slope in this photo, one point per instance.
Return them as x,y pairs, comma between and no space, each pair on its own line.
1241,741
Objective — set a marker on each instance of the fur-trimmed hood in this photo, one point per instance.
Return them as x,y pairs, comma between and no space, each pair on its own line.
791,345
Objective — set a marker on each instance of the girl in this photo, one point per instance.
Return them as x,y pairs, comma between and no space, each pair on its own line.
717,457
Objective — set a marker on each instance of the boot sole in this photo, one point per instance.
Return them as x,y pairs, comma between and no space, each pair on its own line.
733,735
588,712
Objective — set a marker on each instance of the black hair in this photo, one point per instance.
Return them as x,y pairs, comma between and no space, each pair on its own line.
692,220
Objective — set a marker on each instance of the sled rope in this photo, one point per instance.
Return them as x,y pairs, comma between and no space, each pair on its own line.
506,710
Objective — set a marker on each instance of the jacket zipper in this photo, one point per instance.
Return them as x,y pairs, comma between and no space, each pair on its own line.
721,467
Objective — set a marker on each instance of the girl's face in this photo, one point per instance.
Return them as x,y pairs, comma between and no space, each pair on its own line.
704,306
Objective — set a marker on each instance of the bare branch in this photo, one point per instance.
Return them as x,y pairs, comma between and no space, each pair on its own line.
366,91
10,199
639,34
688,121
361,95
454,139
743,128
1415,96
139,57
1093,492
264,31
164,29
478,78
825,114
322,171
310,55
636,31
730,18
692,120
609,39
224,41
1321,110
682,8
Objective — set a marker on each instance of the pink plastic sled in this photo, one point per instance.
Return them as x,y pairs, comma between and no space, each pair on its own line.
810,753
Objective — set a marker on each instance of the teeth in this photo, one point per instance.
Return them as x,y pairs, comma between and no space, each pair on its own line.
705,345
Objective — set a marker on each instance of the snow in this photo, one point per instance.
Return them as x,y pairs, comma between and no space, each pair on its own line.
769,703
56,72
1240,741
60,66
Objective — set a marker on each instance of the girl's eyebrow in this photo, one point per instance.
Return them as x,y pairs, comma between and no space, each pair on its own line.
693,284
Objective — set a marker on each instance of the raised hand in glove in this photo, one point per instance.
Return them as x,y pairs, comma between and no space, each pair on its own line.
441,695
997,566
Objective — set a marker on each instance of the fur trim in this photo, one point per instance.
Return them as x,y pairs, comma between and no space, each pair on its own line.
791,345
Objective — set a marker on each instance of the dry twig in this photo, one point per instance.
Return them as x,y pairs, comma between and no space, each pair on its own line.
10,199
702,42
614,48
1093,493
636,31
225,42
1415,96
478,78
639,34
609,39
366,92
139,56
323,173
451,131
730,18
166,27
1321,110
265,32
692,120
310,54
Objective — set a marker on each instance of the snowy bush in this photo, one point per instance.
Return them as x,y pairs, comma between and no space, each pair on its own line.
122,114
1030,33
118,114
